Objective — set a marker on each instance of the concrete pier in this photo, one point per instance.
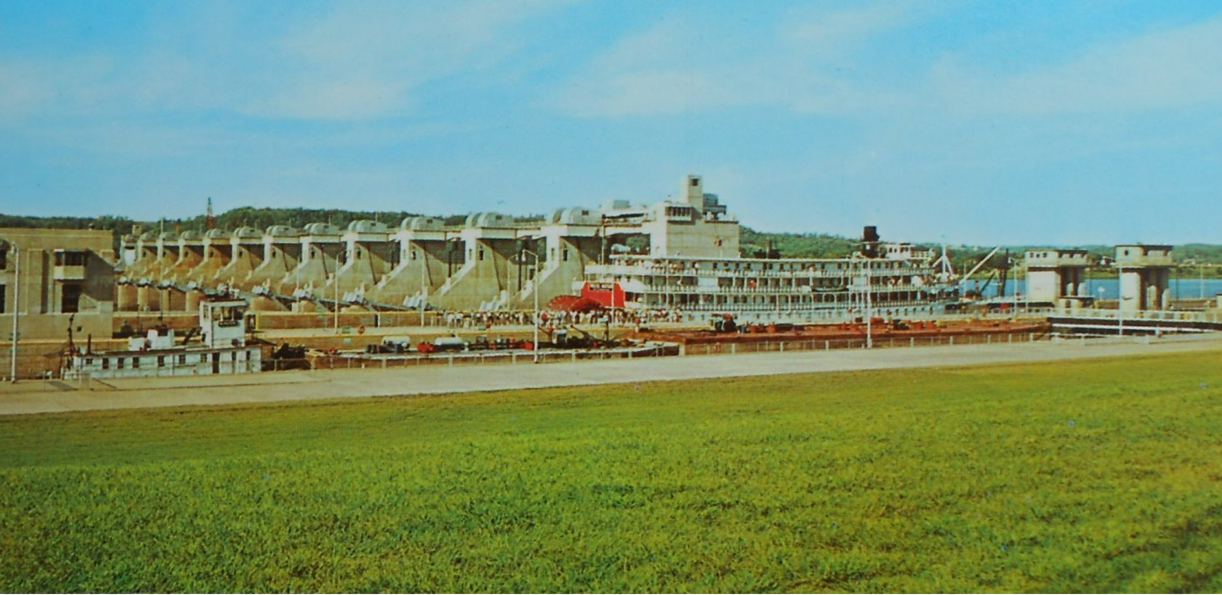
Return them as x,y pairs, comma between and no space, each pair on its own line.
144,250
281,255
571,241
370,253
489,272
421,242
246,254
321,249
1054,276
1145,276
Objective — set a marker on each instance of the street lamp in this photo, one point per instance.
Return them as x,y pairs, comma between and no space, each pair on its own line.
1120,300
1201,276
534,285
869,310
16,304
862,281
424,283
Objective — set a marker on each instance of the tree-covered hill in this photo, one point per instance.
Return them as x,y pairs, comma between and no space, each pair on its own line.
754,243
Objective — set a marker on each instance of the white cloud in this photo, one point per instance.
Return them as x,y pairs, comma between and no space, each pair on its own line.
365,60
29,87
1164,69
361,60
827,33
684,66
816,61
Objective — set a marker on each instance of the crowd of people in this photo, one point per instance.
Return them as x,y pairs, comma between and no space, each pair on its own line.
558,318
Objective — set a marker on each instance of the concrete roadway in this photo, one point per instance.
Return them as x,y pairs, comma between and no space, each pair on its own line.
42,397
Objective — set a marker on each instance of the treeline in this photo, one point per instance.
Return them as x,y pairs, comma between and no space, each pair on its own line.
794,245
754,243
258,218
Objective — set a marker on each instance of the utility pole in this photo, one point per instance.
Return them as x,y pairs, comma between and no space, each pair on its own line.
335,280
534,283
424,284
869,310
16,305
1120,300
1201,273
534,287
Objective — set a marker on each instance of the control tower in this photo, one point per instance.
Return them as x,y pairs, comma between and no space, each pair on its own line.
1053,275
1145,274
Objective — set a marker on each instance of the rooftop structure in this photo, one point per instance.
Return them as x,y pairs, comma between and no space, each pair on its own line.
1054,275
56,276
1145,276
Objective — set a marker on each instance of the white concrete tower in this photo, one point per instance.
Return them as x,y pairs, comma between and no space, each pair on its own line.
1053,275
693,190
1145,274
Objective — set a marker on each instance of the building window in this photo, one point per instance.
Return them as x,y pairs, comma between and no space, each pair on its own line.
72,258
203,358
70,298
161,361
182,359
135,363
120,363
106,363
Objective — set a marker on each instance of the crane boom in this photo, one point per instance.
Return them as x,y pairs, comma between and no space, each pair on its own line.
978,265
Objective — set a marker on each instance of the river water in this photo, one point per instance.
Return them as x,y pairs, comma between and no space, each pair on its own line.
1188,288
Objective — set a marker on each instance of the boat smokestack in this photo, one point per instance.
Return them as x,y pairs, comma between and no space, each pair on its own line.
869,241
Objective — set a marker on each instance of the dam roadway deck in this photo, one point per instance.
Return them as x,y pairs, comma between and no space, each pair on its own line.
33,397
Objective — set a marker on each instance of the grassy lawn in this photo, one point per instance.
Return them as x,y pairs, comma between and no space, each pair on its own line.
1084,476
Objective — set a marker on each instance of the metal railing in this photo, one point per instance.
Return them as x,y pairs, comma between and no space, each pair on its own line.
460,358
858,343
1153,315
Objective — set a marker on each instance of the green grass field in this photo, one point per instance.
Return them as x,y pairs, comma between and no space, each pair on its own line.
1085,476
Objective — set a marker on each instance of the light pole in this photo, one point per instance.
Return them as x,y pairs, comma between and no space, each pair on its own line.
1120,300
424,284
534,286
862,281
16,304
869,309
1201,274
335,281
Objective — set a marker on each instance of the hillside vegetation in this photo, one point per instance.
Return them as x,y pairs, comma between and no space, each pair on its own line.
1067,477
754,243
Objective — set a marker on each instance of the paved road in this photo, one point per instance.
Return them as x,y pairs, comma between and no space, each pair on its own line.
37,397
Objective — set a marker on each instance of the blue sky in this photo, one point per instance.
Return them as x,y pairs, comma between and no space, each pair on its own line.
979,122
